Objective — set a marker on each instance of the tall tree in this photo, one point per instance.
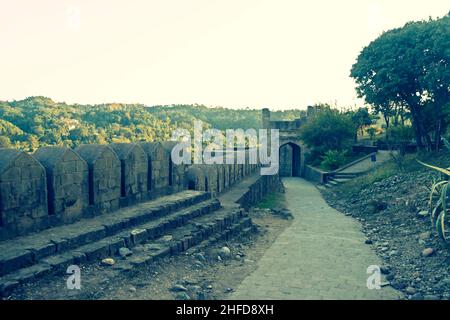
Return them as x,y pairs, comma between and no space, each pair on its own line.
362,119
409,67
328,129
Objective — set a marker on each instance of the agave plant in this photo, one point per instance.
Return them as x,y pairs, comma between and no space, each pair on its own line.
440,202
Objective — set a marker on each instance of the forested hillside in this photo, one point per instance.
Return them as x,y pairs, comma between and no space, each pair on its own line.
38,121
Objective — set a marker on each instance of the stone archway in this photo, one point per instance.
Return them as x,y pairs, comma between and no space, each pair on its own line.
290,160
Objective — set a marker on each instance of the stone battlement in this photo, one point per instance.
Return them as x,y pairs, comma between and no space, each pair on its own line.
58,185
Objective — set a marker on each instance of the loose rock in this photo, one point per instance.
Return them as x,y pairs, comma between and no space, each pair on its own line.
132,289
431,297
178,288
224,252
398,284
152,246
427,252
417,296
108,262
425,235
125,252
167,238
385,269
182,296
423,213
200,257
410,290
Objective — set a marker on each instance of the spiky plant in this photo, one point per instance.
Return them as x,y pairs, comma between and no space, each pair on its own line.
440,201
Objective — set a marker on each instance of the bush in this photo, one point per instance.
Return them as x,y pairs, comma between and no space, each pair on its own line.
371,132
328,129
5,142
439,202
401,135
399,138
333,159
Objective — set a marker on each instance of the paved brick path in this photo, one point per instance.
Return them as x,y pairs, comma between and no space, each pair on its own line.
322,255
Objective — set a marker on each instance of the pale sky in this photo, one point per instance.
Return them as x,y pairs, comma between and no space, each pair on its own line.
233,53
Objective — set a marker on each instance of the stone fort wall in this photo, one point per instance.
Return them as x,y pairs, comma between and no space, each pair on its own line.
58,185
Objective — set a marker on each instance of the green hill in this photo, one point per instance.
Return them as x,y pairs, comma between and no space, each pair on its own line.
37,121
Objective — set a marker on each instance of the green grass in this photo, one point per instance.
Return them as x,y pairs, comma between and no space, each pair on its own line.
390,168
348,159
272,200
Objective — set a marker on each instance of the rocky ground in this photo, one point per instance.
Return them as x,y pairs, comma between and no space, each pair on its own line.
199,273
394,215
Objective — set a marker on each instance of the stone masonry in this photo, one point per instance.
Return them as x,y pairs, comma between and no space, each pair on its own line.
104,176
133,164
67,183
58,185
158,164
23,194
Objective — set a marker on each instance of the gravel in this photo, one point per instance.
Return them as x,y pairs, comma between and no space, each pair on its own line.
394,216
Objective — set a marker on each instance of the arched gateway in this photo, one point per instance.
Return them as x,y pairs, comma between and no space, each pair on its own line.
290,160
292,149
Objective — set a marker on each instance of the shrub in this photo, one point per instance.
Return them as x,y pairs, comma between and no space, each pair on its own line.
333,159
328,129
401,136
439,204
371,132
439,201
5,142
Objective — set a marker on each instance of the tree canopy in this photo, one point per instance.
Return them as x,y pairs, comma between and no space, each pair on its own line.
328,129
38,121
409,67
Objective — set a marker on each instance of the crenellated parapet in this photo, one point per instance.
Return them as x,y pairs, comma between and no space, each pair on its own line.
67,183
58,185
104,176
23,193
133,172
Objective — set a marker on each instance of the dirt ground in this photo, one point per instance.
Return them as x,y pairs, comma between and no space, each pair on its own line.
199,273
395,218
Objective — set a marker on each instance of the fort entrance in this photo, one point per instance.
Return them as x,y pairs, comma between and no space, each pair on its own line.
292,149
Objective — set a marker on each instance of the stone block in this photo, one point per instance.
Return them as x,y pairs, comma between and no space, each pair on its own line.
138,236
95,251
14,259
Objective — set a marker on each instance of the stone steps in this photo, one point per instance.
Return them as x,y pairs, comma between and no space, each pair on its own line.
29,250
341,180
336,180
333,182
345,175
201,224
200,233
109,246
165,226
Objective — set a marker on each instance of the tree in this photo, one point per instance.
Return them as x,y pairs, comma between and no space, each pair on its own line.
33,142
361,119
328,129
371,131
5,142
39,121
409,67
402,136
386,109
